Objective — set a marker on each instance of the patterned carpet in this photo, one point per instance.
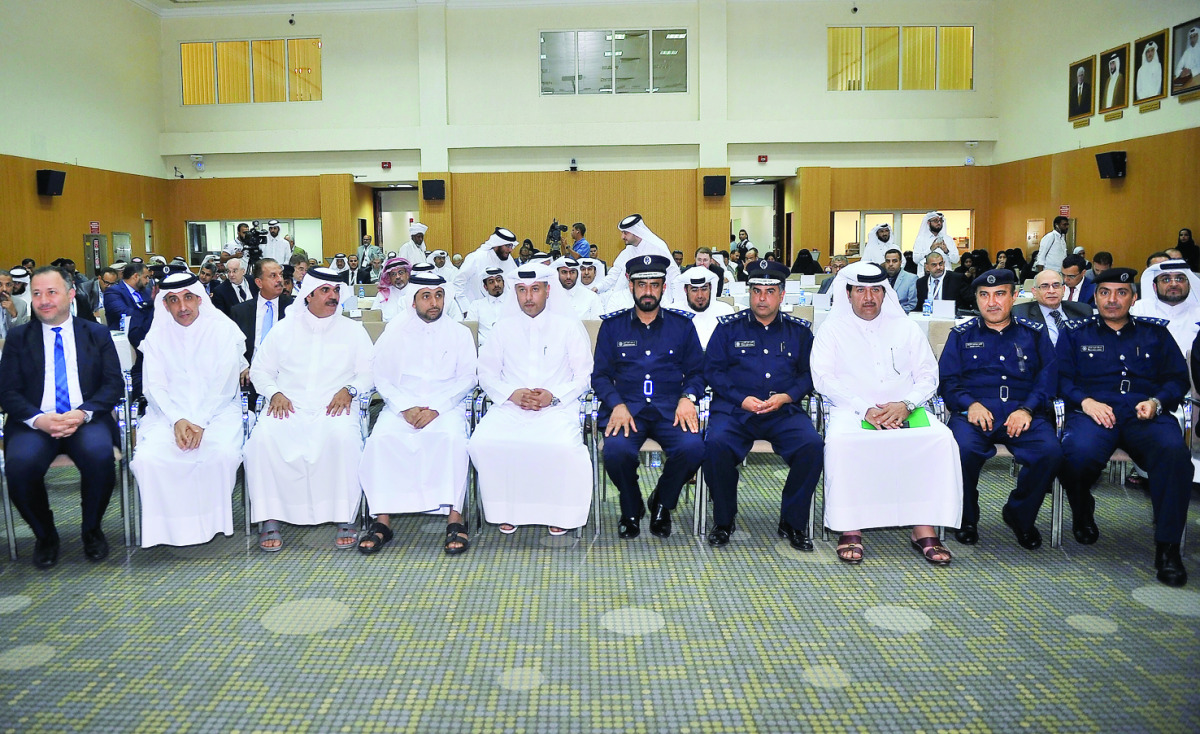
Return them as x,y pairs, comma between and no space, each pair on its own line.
533,633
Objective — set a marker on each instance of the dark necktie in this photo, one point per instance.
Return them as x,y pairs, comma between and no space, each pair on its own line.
241,289
1058,319
62,396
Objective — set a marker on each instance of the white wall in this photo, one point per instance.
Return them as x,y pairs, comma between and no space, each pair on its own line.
397,207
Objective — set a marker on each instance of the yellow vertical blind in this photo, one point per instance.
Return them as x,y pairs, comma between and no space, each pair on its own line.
233,72
270,71
956,57
845,59
199,76
304,64
881,58
920,57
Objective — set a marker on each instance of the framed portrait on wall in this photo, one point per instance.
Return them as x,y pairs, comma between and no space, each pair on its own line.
1147,67
1185,57
1112,93
1079,92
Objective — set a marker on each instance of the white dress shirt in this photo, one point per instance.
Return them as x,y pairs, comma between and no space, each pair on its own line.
1051,327
242,290
48,387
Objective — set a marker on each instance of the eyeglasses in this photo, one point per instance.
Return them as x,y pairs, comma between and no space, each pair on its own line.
1049,287
1172,278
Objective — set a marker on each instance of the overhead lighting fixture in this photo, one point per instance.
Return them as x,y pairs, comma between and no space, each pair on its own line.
620,36
668,53
612,53
543,56
749,181
676,36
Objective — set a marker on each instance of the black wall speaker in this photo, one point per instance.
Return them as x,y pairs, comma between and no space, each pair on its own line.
50,182
715,185
1111,164
433,189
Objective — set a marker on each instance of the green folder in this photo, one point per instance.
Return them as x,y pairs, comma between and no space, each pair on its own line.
919,418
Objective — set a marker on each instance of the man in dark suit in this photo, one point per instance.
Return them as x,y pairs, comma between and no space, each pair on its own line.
1048,301
238,289
94,290
945,286
1080,96
129,298
60,379
257,316
1077,288
208,277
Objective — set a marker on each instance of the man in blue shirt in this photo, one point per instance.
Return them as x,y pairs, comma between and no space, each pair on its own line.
757,364
1121,376
582,247
647,375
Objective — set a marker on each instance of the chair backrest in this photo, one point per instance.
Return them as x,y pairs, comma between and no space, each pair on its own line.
371,314
370,289
822,277
474,327
804,312
593,330
1028,286
726,299
374,329
939,333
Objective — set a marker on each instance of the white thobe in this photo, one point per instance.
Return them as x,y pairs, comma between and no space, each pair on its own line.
586,303
412,252
1051,251
706,321
924,245
278,249
405,469
615,278
303,469
883,478
186,495
468,283
555,487
1182,318
485,311
391,304
617,299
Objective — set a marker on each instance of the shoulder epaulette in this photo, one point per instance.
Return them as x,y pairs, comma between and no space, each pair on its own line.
1150,320
610,314
734,316
796,319
962,328
1030,323
1079,323
680,312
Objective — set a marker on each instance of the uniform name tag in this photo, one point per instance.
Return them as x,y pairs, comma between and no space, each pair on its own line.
974,345
1092,348
744,343
627,343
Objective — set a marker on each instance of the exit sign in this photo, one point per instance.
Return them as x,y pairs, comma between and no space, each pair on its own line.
762,159
387,165
1064,210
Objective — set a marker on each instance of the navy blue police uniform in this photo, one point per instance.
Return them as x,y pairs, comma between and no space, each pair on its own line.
648,368
1004,370
1122,368
746,358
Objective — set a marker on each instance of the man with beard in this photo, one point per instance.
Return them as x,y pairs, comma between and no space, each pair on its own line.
586,304
639,241
933,237
879,241
495,252
484,311
414,250
276,247
903,282
648,377
1171,291
704,258
1053,247
695,293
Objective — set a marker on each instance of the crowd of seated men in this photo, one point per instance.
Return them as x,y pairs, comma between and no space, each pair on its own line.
1115,360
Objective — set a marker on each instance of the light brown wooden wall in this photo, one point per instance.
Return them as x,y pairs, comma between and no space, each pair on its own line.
364,208
339,229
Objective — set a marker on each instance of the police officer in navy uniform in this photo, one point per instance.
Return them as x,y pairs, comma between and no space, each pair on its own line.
1121,376
648,374
757,364
999,375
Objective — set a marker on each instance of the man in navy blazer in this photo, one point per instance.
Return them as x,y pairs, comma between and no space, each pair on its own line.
129,298
60,379
1078,288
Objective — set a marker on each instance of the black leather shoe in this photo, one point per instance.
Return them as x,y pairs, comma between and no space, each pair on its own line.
719,535
968,534
45,553
629,528
660,522
1085,531
1170,566
1029,538
798,537
95,545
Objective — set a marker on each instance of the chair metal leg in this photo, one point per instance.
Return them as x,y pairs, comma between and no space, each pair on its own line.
1056,513
246,500
127,508
824,528
9,526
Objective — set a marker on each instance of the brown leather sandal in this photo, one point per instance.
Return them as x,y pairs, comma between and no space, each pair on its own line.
850,548
931,547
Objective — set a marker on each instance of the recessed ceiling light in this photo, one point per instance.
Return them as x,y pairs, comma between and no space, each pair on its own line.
676,36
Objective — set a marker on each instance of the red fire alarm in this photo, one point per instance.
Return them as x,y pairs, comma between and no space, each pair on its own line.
387,165
762,159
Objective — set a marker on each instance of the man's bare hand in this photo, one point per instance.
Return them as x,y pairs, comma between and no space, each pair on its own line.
977,415
244,378
543,397
424,418
1099,412
752,404
1146,410
523,398
339,404
188,435
773,403
60,425
685,416
887,415
1017,423
620,420
280,406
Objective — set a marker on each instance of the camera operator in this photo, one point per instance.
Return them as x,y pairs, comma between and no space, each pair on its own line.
255,240
581,246
276,247
554,236
238,246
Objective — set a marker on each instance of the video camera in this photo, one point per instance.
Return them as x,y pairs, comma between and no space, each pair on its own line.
253,243
554,236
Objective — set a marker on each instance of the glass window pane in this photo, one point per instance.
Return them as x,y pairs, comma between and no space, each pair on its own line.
845,59
669,49
304,60
919,45
233,72
199,76
881,66
270,70
631,58
956,52
558,62
595,61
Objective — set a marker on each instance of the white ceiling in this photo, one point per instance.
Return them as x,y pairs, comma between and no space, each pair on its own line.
170,8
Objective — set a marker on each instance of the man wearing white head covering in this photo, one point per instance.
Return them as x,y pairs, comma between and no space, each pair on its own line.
876,367
932,235
1114,86
1189,60
414,250
696,292
495,252
416,457
587,304
591,271
639,242
13,311
1149,73
1171,291
393,278
302,458
535,366
442,266
276,247
20,277
190,440
450,309
879,241
486,310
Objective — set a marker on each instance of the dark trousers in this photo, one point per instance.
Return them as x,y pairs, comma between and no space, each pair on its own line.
683,450
1156,445
1036,450
792,436
27,456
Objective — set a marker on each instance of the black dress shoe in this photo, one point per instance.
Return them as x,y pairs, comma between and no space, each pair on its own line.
95,545
968,534
1086,532
798,537
45,552
719,535
1028,538
1170,566
629,527
660,521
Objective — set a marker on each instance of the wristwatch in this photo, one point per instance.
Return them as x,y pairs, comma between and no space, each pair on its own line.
350,389
554,401
1157,406
691,397
911,406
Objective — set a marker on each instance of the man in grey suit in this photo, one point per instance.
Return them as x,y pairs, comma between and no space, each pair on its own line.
904,282
1048,306
836,263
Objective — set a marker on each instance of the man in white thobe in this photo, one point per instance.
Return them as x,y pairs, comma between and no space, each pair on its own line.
1188,67
535,366
933,237
1149,73
879,241
587,304
442,266
302,458
276,247
875,366
1053,247
424,366
695,293
495,252
190,440
485,311
1171,291
639,242
414,250
393,279
451,309
590,269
